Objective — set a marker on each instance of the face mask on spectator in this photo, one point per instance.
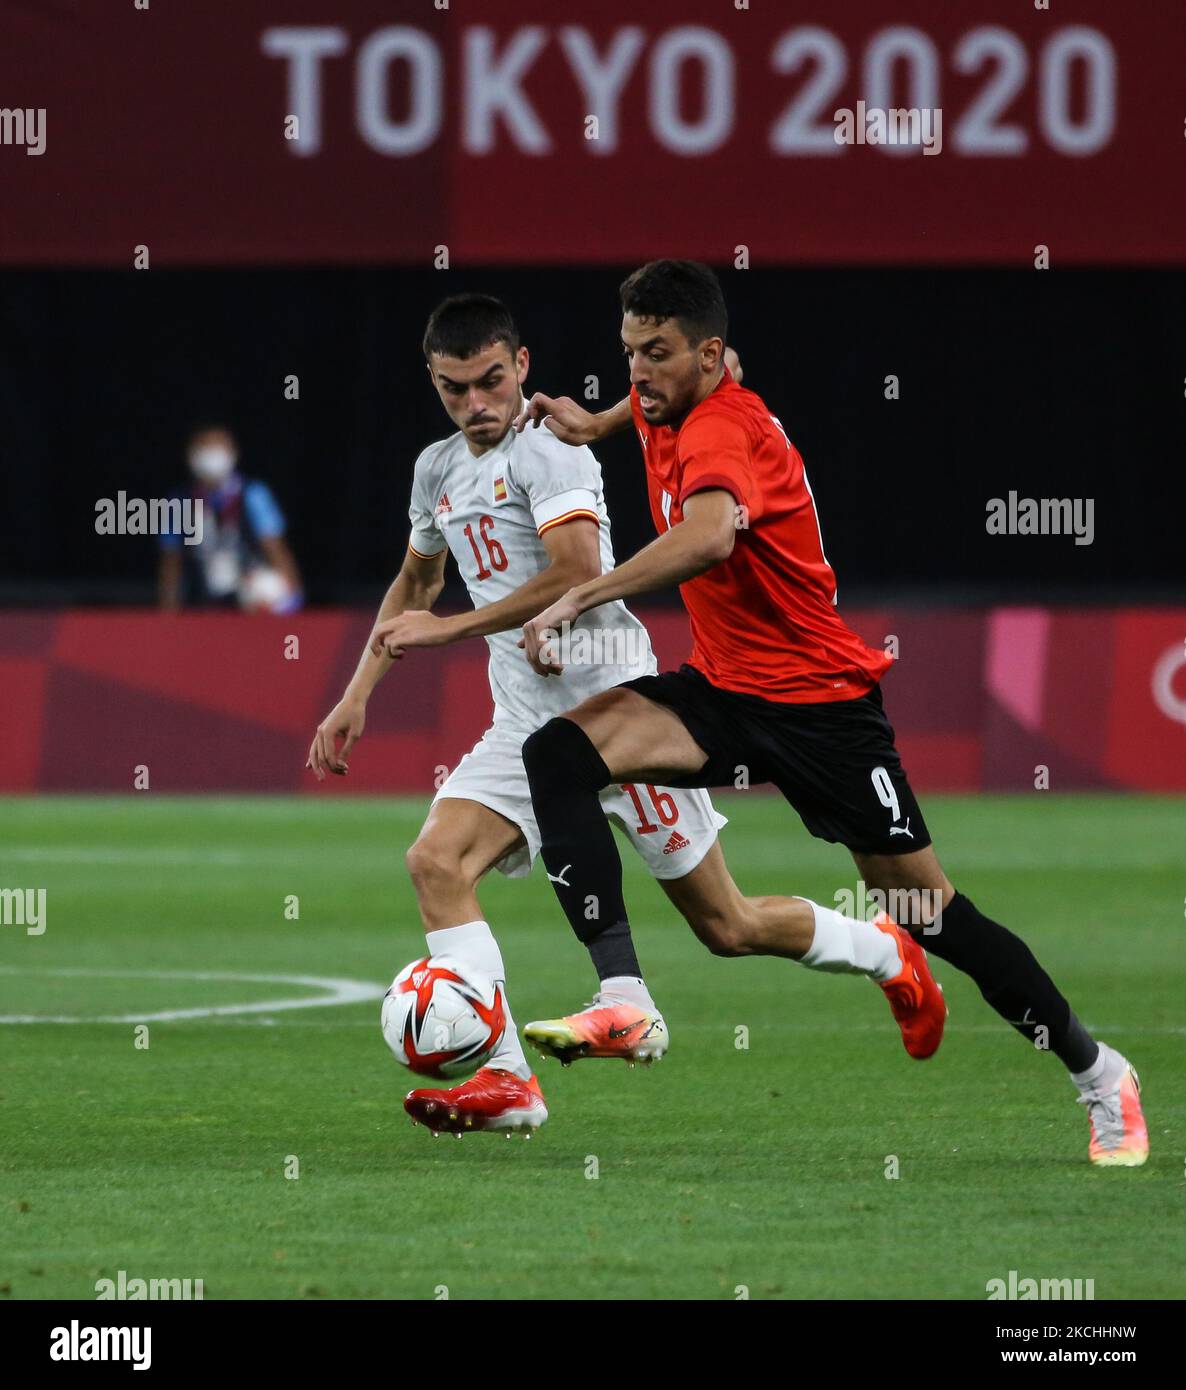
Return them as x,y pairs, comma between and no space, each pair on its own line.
212,463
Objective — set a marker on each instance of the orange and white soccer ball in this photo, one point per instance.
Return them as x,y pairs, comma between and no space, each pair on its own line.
443,1018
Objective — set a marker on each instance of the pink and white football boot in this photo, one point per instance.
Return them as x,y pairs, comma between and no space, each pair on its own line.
607,1028
1119,1138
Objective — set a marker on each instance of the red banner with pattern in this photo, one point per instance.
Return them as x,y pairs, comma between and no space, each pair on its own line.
979,699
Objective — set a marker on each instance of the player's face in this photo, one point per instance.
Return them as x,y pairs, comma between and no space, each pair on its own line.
671,374
482,392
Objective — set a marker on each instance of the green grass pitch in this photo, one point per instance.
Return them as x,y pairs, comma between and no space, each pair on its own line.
723,1167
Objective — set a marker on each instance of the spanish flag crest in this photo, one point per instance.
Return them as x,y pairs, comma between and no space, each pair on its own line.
500,490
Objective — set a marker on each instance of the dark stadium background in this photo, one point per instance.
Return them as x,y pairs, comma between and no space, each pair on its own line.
1060,383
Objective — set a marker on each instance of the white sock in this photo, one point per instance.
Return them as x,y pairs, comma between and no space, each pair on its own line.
1104,1073
846,945
628,989
474,942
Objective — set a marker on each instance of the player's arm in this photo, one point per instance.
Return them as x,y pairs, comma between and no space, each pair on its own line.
704,538
574,557
417,585
573,423
576,425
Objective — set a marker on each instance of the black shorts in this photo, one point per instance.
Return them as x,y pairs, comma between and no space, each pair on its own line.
835,761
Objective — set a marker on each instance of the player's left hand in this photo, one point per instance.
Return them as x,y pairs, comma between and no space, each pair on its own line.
541,633
415,628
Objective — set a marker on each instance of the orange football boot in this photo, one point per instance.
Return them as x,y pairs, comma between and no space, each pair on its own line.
492,1099
915,999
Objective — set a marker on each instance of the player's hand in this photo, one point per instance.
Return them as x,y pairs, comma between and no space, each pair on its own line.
415,628
561,414
345,721
733,362
540,635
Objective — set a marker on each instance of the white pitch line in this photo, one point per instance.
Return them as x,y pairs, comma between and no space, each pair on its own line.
340,991
101,855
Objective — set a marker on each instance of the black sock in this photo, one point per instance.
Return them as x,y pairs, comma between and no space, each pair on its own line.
566,773
1011,980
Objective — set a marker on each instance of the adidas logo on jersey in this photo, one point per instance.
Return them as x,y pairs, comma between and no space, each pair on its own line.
676,842
444,505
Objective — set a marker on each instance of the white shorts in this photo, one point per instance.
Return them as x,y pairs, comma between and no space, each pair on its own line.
672,828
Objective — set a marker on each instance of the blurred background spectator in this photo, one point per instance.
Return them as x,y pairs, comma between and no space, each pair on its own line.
242,558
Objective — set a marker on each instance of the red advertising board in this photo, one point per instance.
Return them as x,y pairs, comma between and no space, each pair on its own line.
239,131
979,699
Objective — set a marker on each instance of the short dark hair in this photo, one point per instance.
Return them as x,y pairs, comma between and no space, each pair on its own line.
464,324
684,290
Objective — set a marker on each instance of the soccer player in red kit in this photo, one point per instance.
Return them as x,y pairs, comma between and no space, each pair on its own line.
776,684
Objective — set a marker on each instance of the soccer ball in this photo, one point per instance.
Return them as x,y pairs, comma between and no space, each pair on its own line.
442,1018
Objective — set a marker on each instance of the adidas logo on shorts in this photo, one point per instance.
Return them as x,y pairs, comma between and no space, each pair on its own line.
677,841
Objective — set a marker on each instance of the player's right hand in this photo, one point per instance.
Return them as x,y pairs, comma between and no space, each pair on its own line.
540,634
346,720
561,414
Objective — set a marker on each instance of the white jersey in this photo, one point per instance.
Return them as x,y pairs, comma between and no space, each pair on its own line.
491,512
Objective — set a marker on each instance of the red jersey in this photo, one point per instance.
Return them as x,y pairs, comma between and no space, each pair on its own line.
764,621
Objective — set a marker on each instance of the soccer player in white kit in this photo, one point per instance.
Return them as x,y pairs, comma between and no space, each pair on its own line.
524,517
